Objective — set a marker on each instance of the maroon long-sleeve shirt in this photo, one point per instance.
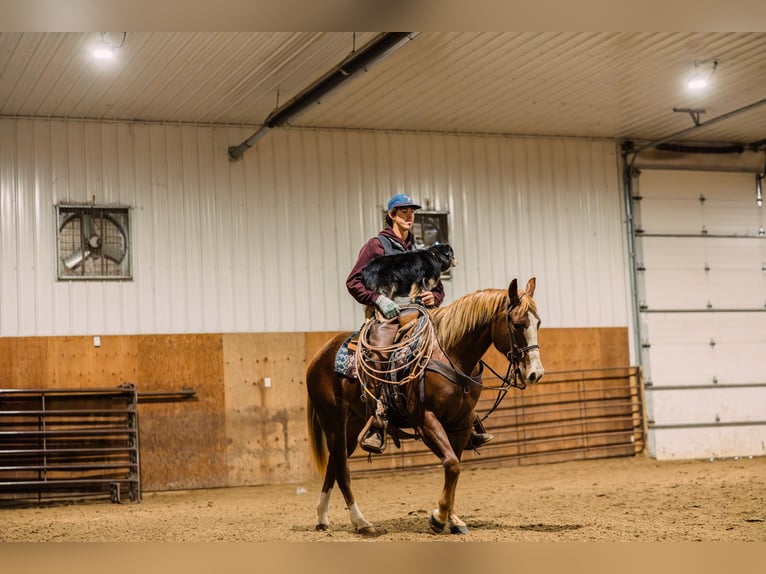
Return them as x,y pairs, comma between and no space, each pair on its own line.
370,250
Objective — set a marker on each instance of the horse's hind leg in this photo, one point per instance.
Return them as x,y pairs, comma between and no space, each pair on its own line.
341,444
354,426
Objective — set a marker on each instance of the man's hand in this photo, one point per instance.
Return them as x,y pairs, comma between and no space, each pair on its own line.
427,297
388,307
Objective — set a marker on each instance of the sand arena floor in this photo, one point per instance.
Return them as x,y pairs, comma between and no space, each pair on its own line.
624,499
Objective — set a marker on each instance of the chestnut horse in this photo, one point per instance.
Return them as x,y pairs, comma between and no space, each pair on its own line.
441,406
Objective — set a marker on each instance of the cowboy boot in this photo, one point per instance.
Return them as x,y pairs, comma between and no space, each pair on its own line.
479,435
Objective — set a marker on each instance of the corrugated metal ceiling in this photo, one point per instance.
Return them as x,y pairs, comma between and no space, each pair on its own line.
606,84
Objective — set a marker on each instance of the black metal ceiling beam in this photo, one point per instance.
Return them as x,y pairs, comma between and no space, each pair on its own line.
357,62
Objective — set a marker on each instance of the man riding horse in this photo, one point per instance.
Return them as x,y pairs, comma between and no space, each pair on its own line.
396,237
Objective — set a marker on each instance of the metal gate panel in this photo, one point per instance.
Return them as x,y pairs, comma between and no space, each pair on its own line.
700,250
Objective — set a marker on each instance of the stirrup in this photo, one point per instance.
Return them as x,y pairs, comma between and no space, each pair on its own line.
372,438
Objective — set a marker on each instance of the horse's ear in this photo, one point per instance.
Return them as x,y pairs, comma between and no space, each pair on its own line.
531,286
513,293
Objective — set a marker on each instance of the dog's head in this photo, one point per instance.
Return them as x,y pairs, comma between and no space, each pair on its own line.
444,254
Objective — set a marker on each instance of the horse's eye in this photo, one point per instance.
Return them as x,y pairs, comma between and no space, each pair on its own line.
518,326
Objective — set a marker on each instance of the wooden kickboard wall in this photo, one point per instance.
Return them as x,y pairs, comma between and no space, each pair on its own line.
242,430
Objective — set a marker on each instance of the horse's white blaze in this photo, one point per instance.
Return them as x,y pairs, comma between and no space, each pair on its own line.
357,519
534,364
323,508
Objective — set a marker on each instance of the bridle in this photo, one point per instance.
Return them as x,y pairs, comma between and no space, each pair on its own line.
515,356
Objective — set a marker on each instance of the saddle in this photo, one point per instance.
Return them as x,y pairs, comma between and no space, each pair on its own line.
395,350
380,334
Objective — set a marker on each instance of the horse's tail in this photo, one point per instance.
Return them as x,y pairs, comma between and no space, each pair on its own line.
316,438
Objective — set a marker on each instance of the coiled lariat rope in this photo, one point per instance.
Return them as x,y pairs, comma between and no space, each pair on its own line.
423,334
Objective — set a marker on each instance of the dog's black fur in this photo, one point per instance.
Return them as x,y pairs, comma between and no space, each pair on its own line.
408,274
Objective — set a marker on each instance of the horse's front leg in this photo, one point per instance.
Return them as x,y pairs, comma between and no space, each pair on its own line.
437,439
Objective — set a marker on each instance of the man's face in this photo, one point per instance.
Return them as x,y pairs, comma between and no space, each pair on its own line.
403,217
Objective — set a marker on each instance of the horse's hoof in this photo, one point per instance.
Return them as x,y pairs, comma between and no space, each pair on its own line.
366,530
321,527
459,529
435,525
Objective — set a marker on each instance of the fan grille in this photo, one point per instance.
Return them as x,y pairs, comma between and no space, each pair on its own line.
93,242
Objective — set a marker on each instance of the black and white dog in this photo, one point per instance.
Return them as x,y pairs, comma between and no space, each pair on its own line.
408,274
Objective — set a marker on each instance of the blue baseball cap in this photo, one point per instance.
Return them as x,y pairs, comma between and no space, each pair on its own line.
401,200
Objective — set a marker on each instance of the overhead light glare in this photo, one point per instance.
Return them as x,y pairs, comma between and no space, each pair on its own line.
703,72
105,50
102,51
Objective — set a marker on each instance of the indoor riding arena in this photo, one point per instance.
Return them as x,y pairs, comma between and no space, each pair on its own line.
178,218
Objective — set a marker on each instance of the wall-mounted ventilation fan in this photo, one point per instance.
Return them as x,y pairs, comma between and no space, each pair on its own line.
93,242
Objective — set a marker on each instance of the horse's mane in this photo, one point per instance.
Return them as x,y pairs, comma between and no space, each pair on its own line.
471,311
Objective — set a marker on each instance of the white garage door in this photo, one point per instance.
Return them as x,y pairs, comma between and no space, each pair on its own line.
701,286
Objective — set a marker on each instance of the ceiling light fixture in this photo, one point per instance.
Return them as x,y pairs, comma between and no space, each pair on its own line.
104,50
703,72
758,189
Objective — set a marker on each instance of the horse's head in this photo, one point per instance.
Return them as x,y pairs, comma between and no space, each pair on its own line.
515,333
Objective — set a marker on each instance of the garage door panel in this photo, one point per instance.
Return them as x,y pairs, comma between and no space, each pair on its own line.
671,216
699,328
714,405
696,289
717,441
673,365
689,273
701,291
726,253
680,350
688,185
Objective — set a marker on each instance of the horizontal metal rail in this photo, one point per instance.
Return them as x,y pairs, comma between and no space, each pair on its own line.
67,432
706,310
66,413
661,426
99,392
68,467
698,235
705,387
63,482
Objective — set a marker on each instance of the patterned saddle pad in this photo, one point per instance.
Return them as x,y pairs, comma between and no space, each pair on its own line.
345,359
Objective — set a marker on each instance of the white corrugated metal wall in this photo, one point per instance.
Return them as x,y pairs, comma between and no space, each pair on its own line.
264,244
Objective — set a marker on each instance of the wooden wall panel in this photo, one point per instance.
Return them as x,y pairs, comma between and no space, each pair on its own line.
182,443
266,426
24,362
75,362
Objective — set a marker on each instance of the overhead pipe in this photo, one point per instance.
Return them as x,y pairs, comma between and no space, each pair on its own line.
695,127
360,61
